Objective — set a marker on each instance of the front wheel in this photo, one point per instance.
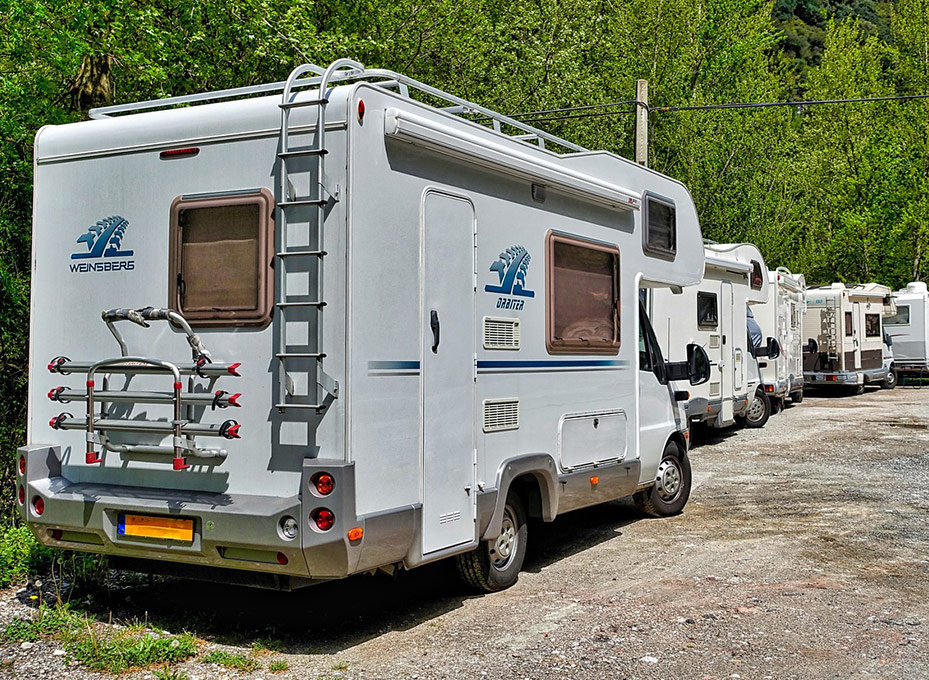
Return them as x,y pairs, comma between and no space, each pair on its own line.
669,494
759,411
891,381
495,565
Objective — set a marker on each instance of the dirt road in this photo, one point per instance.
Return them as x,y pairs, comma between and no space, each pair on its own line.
803,553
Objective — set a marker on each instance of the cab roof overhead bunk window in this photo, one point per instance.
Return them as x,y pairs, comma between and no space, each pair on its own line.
221,250
757,280
659,232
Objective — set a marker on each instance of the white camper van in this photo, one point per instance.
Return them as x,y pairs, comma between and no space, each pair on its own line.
909,328
781,317
844,331
345,330
712,314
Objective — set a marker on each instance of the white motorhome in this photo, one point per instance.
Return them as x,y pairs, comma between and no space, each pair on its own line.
712,314
781,317
430,328
844,324
908,328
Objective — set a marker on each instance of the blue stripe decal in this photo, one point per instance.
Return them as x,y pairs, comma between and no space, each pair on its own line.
393,365
554,363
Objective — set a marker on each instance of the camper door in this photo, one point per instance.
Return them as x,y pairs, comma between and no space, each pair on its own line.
727,360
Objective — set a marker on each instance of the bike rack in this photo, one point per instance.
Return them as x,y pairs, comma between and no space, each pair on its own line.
183,427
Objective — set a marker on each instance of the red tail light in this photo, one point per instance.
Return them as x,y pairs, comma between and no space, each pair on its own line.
179,153
57,534
281,558
324,483
38,505
22,495
361,110
22,465
324,519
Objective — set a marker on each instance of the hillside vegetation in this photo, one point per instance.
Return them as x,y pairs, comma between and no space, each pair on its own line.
838,192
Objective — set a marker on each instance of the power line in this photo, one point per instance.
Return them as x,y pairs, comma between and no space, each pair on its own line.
759,105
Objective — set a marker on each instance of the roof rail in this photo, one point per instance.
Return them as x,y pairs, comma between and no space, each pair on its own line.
382,77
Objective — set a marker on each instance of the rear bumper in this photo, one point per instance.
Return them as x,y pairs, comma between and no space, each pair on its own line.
777,389
840,378
230,531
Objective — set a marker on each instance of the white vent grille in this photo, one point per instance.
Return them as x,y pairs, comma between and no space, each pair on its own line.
501,333
714,389
714,342
501,414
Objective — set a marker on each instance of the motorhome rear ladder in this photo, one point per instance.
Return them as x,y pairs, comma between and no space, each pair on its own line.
308,210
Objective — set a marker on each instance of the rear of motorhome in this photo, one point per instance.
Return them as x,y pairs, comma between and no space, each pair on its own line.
909,328
712,314
781,317
844,323
344,330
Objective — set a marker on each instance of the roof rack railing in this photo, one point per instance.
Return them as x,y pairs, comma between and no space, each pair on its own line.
382,77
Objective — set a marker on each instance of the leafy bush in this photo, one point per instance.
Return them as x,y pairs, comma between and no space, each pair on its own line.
20,555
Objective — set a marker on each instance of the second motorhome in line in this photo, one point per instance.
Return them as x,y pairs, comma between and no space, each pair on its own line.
845,325
909,328
712,314
434,326
781,317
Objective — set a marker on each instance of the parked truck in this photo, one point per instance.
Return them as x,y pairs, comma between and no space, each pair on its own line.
423,315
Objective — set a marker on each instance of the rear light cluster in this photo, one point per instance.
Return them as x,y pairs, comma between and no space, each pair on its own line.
322,485
21,485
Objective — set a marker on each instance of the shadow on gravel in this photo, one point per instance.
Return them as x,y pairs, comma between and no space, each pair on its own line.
333,616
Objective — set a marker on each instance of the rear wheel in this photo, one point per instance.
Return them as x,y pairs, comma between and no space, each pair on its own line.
891,381
671,490
495,565
796,397
759,410
857,389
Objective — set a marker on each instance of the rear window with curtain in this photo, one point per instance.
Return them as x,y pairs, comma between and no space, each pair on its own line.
659,233
221,249
583,292
872,325
707,312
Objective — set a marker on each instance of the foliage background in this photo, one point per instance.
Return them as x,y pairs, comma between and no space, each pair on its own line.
837,192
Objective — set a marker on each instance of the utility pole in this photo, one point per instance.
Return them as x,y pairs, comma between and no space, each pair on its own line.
641,122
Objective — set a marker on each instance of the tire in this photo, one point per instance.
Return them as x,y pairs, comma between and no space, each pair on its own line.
857,389
669,494
486,568
891,381
796,397
759,410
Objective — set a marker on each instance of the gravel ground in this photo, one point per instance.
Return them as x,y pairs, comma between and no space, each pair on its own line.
803,553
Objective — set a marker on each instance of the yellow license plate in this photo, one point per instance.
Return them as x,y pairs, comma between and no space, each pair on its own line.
148,526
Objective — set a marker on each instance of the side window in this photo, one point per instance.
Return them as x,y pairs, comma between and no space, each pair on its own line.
757,278
659,231
220,262
848,323
872,325
650,358
901,318
583,296
645,359
707,312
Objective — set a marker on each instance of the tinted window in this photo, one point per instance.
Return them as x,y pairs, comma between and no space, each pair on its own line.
872,325
707,312
901,318
660,231
221,250
583,294
848,323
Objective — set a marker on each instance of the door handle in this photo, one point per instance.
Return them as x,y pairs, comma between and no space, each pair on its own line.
434,323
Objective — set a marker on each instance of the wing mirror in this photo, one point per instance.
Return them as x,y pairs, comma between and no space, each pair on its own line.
698,364
772,349
811,346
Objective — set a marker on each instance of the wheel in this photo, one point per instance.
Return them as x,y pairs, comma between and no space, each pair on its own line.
796,397
891,381
857,389
671,490
777,405
759,411
495,565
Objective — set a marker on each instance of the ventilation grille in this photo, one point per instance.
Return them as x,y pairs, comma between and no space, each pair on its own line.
501,333
714,342
714,389
501,414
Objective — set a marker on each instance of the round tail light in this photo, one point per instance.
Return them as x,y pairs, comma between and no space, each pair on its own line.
22,495
288,528
38,505
324,519
281,558
22,465
324,483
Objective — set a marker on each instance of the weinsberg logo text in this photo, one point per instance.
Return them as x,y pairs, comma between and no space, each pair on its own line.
103,243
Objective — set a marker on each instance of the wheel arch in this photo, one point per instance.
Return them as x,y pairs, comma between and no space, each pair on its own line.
535,478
